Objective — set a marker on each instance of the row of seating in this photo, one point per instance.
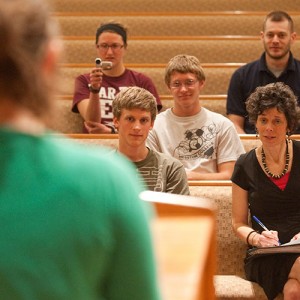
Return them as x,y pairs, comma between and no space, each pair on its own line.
179,24
217,76
229,279
222,34
220,49
66,121
171,6
249,141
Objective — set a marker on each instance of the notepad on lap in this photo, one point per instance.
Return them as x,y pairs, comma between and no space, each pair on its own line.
290,247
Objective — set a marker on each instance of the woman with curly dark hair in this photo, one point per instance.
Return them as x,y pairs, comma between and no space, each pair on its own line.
266,185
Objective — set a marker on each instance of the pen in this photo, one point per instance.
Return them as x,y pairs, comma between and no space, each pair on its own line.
262,225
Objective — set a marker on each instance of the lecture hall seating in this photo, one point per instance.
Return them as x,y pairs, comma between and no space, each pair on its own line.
223,34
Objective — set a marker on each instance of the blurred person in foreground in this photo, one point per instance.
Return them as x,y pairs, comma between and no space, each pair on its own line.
134,112
266,185
72,225
95,91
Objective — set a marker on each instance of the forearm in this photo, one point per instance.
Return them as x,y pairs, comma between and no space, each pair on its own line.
239,129
93,111
238,122
245,233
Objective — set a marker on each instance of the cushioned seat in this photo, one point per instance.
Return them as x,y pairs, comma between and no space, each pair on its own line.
173,6
217,78
215,50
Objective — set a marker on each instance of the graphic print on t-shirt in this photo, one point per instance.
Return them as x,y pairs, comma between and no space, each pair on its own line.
107,95
152,177
197,143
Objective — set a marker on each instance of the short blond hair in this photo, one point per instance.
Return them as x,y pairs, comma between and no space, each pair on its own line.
183,63
134,97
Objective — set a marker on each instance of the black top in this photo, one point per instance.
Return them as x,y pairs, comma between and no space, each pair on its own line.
278,210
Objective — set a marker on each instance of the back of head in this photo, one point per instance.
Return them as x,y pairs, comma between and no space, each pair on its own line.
134,98
26,29
279,16
184,64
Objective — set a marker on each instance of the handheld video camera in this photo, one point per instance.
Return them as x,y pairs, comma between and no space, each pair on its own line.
103,64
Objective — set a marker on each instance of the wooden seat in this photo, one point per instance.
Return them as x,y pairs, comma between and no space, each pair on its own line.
215,73
172,6
208,49
249,141
65,121
184,241
157,24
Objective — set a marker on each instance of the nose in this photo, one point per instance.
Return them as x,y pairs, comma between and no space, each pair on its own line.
109,50
269,127
275,38
137,125
183,86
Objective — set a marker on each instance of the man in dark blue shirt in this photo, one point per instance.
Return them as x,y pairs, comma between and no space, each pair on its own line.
276,64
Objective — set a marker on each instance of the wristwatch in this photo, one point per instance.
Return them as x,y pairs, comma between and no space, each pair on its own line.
92,90
113,129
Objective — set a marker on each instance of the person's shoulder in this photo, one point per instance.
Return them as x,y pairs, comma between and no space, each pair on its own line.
217,117
163,115
136,74
248,67
84,76
296,62
246,157
296,144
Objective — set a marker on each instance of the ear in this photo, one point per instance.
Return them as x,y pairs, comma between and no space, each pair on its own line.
201,84
262,35
152,124
52,56
116,122
293,37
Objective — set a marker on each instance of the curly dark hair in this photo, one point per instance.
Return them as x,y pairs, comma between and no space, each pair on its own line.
277,95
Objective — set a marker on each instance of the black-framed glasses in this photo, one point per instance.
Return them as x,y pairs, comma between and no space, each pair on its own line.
114,47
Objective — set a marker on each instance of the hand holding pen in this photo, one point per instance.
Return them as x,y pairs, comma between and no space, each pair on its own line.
268,237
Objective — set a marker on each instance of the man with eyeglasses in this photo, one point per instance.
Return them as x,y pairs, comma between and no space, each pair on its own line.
95,91
205,142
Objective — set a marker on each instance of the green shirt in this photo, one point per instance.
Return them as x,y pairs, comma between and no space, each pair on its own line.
72,225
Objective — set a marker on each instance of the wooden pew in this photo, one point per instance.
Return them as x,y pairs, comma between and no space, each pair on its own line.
217,76
158,24
208,49
171,6
66,121
249,141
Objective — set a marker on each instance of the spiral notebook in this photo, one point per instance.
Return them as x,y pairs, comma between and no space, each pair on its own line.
291,247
